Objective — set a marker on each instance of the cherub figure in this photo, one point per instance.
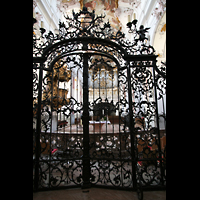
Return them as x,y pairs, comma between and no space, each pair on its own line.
141,33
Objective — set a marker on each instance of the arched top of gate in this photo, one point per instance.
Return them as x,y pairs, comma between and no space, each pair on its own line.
87,32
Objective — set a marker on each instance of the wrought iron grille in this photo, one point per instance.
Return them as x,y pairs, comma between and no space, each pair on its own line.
96,100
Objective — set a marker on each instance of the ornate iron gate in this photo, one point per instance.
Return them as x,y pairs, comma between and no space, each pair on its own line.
95,108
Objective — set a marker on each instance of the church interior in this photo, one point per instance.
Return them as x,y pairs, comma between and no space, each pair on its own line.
85,97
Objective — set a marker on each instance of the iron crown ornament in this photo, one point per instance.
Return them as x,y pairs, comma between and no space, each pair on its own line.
85,24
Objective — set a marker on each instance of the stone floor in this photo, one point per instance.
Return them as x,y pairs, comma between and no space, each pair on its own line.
97,194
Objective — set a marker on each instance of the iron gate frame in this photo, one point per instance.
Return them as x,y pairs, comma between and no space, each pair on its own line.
95,37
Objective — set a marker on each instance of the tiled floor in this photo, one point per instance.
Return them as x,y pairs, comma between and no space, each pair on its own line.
97,194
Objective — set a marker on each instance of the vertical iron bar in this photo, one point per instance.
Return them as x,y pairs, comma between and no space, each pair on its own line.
100,107
62,116
112,100
71,85
86,158
77,117
105,74
164,112
157,121
38,129
93,100
52,108
118,98
131,127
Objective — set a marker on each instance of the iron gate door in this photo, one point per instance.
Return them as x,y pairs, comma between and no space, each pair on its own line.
95,108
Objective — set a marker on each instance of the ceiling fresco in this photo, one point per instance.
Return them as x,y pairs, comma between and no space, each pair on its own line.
107,7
